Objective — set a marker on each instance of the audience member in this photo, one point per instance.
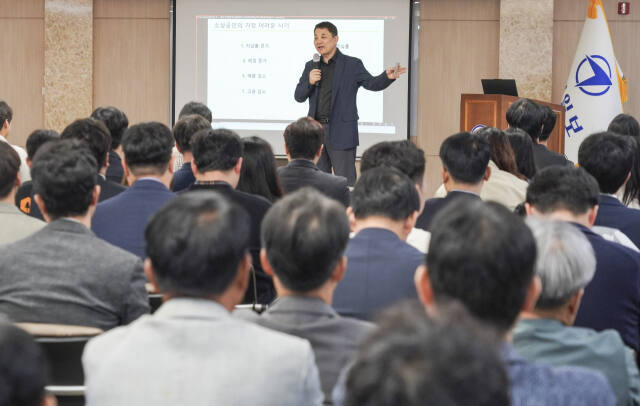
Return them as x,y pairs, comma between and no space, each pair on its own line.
609,159
612,299
15,225
24,195
522,146
63,273
483,256
542,155
465,168
384,206
258,174
626,125
217,163
565,265
191,351
96,136
526,115
183,132
6,116
117,122
303,141
188,109
147,165
304,237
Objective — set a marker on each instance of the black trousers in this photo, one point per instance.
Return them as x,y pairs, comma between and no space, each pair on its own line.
343,162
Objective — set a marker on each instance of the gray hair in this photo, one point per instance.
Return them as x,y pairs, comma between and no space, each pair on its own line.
566,261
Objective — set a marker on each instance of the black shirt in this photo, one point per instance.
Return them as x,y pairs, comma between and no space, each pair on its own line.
324,92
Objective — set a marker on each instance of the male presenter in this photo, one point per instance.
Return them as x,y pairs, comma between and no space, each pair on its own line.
331,85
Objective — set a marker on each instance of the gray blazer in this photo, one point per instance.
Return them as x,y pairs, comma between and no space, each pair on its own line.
65,274
15,224
334,339
192,352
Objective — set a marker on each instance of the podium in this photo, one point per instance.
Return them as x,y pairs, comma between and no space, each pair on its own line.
490,110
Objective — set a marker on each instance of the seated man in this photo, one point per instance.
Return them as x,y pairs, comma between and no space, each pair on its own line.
303,145
217,160
15,225
6,116
64,274
465,168
483,256
191,351
384,206
147,154
183,131
612,299
304,237
608,157
116,121
565,265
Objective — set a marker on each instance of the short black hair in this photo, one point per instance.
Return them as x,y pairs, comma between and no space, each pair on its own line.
563,188
329,26
305,234
404,155
185,129
608,157
9,168
303,138
522,146
38,138
528,115
625,124
6,113
194,107
465,157
259,173
385,192
115,120
64,173
548,123
92,132
196,243
216,150
24,368
414,360
147,148
482,255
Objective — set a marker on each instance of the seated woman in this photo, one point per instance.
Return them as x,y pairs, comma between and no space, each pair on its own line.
259,174
522,146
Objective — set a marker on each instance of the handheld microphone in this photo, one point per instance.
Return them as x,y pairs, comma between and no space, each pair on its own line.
316,65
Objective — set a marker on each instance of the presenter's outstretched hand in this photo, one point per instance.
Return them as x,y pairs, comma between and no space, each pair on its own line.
395,72
314,76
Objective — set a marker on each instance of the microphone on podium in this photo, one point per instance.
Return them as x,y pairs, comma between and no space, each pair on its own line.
316,65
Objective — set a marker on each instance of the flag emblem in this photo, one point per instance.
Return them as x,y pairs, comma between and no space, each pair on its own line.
597,73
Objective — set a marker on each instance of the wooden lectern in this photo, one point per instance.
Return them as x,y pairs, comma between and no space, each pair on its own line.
490,110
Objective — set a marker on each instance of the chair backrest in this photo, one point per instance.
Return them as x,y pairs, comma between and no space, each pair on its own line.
65,359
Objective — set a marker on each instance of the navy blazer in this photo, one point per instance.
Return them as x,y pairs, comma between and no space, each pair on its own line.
434,205
302,172
380,269
122,219
612,298
349,75
612,213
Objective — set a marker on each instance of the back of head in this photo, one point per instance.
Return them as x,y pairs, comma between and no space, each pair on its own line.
384,192
624,124
6,113
37,139
185,129
64,174
92,132
566,262
527,115
9,167
216,150
259,175
413,360
303,138
305,234
23,368
608,157
194,107
563,188
522,146
196,243
501,151
115,120
482,255
329,26
465,157
405,156
548,123
147,148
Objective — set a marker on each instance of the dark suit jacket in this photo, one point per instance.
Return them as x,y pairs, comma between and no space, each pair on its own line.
434,205
612,298
334,339
349,75
256,207
302,172
115,171
544,157
182,178
64,274
108,189
122,219
380,269
612,213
